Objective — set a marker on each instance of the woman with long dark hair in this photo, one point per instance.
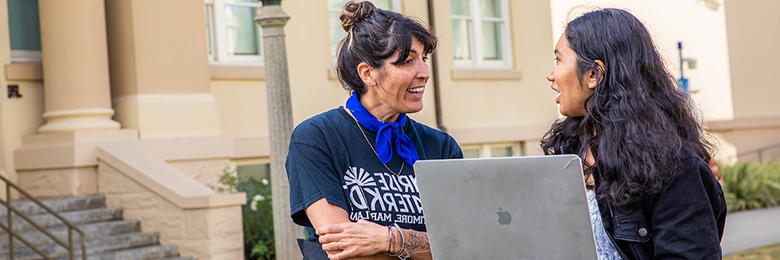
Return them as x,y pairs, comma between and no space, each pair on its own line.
645,152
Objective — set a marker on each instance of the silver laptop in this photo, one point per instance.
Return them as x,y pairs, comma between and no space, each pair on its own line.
506,208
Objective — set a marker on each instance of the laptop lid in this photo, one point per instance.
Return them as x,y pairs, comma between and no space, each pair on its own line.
506,208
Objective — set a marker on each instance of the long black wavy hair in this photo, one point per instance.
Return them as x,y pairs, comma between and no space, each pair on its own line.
638,124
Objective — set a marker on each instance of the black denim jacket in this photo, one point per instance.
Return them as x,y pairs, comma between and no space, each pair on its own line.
684,221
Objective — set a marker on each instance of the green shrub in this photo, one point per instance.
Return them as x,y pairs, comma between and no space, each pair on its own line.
773,169
257,214
751,185
258,219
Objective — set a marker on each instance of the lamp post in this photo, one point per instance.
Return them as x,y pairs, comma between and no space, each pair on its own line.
273,19
682,80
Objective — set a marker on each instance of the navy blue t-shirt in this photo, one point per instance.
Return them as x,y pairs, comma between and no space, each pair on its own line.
329,158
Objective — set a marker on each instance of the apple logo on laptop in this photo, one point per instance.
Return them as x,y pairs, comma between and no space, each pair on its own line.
504,217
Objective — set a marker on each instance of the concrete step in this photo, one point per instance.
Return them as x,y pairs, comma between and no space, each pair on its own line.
97,246
181,258
91,230
108,236
58,205
75,217
147,252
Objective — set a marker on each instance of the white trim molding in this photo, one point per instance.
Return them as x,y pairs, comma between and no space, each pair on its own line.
25,56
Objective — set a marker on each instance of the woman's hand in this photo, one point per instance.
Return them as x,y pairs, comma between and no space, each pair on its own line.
348,240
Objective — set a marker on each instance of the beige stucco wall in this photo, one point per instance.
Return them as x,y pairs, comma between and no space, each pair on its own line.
57,183
313,87
153,43
6,158
525,104
749,145
753,36
700,27
521,101
242,102
753,29
122,61
207,171
4,59
242,106
309,59
20,117
5,41
159,68
206,232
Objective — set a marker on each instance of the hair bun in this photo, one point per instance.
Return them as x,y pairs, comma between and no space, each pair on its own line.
354,12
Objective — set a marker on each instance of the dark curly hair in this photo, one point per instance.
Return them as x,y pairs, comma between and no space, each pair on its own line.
374,35
639,125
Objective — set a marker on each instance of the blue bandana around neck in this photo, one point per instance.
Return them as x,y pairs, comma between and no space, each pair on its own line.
387,133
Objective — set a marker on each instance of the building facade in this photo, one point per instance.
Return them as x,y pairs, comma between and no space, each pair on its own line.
149,102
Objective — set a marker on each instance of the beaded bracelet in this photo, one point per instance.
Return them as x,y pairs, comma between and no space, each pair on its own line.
400,254
393,241
390,233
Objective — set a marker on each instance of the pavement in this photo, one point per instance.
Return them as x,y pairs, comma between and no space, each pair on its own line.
751,229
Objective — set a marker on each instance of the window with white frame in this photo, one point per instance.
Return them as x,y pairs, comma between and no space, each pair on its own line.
24,30
233,35
480,33
471,151
257,171
335,7
491,150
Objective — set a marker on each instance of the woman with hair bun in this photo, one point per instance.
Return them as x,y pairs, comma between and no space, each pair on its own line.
350,168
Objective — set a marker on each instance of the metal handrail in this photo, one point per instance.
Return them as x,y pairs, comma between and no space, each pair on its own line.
32,222
12,234
759,152
24,241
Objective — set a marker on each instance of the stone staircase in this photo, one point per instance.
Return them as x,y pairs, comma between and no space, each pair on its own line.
107,234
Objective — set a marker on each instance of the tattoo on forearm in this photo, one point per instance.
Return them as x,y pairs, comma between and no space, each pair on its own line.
418,242
407,243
